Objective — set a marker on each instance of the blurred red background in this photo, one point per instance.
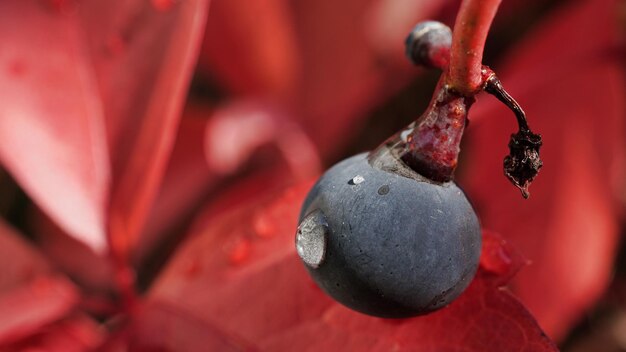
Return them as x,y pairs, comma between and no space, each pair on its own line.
154,155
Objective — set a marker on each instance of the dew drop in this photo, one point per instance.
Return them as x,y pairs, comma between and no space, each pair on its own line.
240,252
356,180
495,258
263,225
383,190
312,238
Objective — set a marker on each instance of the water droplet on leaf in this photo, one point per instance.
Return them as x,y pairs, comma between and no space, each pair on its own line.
263,225
495,257
240,252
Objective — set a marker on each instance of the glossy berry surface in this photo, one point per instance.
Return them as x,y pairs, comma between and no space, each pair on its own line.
388,244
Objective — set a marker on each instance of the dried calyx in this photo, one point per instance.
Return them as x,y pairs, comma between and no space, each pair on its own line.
523,163
430,145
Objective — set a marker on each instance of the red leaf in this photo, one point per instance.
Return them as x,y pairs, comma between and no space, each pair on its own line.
19,262
51,127
252,49
78,261
128,63
574,97
236,131
333,72
214,144
31,295
144,83
485,318
160,327
74,334
228,276
482,319
264,296
187,180
28,308
345,69
340,80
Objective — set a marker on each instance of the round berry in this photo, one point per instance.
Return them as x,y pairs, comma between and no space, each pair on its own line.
428,44
388,244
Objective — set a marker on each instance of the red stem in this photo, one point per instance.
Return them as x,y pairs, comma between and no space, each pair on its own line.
468,41
125,280
119,257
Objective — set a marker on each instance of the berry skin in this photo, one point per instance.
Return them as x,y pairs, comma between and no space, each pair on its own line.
388,244
428,44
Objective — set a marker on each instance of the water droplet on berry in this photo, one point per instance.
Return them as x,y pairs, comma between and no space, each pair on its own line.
312,238
495,257
356,180
383,190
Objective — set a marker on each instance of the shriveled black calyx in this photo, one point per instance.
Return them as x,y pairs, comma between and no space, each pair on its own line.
523,162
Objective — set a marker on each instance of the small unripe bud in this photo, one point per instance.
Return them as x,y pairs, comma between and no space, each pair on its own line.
428,44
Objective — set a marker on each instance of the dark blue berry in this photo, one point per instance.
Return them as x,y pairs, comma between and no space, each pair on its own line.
428,44
388,244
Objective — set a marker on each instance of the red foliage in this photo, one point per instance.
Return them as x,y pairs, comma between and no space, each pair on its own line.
31,295
92,128
54,119
73,334
574,97
143,91
265,299
250,53
107,104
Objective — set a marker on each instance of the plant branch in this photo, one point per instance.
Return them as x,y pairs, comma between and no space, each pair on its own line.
468,42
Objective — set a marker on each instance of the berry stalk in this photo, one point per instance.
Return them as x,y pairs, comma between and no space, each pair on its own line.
468,42
430,146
